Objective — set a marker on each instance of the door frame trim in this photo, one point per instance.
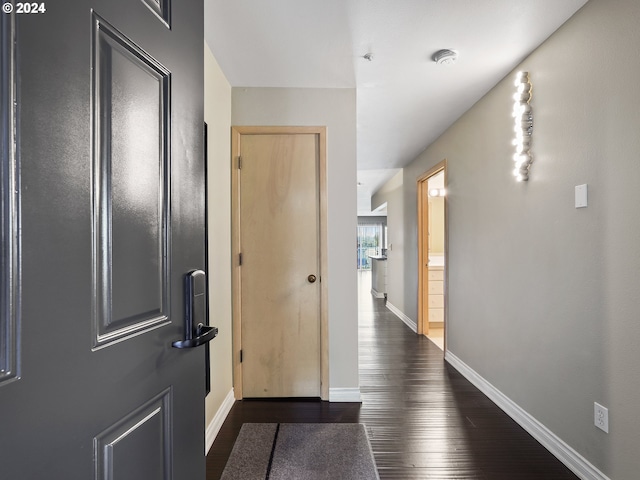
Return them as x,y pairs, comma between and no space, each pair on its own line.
422,191
236,133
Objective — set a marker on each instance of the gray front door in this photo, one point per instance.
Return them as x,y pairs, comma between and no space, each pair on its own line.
102,217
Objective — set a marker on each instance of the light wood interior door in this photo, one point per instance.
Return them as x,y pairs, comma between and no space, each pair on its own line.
280,271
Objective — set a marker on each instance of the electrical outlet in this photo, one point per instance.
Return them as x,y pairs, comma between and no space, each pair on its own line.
601,417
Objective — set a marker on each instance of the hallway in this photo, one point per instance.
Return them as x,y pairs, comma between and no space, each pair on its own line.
425,421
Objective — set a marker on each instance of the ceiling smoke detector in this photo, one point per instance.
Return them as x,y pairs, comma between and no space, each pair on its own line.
445,57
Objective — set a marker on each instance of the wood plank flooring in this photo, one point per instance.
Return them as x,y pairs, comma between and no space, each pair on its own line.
425,421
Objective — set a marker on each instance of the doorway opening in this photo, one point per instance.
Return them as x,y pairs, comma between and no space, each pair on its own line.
432,253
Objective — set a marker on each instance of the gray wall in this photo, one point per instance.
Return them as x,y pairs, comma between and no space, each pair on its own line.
335,108
392,194
543,297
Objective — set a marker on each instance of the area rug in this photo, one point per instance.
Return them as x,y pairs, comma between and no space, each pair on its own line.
301,451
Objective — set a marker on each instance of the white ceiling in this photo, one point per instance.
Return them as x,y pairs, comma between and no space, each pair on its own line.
404,99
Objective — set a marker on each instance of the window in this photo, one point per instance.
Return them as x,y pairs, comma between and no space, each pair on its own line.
369,243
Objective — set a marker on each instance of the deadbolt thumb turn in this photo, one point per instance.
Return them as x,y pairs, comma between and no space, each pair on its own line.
311,278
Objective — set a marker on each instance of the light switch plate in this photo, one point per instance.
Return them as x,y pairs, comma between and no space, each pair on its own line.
581,196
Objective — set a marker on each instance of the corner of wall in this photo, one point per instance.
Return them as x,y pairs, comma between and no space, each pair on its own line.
217,115
213,428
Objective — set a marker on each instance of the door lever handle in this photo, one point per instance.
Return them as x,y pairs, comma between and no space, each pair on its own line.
196,333
205,334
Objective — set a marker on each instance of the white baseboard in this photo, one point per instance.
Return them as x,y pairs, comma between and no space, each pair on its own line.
376,293
345,395
216,424
563,452
410,323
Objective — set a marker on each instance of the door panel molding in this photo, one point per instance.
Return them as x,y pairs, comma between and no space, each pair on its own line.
122,71
161,9
237,133
139,445
9,210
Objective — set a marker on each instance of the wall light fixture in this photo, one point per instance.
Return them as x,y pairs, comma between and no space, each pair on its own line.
523,126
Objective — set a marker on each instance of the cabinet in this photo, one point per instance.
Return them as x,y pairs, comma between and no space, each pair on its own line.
378,276
436,295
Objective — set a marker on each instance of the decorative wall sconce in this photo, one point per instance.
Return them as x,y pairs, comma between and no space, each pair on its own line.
437,192
523,127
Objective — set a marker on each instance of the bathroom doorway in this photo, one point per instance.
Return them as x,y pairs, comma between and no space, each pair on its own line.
432,252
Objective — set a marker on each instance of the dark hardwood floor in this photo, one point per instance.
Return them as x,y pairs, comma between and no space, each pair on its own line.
425,421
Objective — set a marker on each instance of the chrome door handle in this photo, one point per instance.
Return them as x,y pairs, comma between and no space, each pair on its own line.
311,278
196,333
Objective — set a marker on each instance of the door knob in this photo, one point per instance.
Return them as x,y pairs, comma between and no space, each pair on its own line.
311,278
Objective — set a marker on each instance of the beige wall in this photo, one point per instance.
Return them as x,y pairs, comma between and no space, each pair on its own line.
551,317
335,109
217,114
